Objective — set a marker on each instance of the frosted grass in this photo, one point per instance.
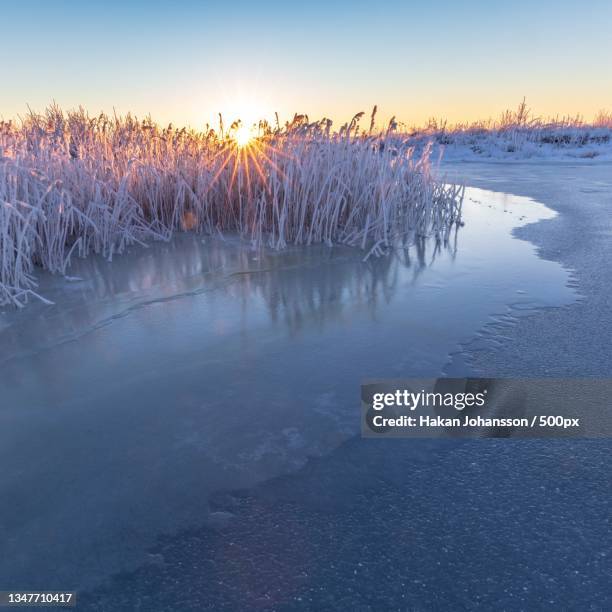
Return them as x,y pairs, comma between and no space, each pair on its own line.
520,132
71,185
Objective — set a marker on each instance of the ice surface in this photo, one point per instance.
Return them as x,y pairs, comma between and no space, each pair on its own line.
199,365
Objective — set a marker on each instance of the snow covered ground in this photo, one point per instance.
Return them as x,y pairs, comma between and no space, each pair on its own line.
576,144
504,151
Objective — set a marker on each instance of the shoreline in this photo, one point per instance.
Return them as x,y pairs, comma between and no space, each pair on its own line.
565,341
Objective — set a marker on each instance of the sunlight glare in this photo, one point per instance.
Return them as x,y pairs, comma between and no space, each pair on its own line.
243,136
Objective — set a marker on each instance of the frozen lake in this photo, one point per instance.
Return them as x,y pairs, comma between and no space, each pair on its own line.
201,365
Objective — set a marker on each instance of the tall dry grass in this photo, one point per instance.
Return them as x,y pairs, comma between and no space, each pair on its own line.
515,129
72,184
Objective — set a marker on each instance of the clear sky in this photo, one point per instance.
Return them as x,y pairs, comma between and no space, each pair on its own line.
183,61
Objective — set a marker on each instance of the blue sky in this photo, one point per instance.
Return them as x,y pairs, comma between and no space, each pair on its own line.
185,61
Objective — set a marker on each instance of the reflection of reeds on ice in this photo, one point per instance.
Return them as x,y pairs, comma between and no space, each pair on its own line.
299,288
74,184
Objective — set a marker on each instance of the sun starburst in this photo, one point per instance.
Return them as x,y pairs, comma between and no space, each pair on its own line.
243,136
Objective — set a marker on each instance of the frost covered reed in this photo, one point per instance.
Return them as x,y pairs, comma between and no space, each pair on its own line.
520,132
72,184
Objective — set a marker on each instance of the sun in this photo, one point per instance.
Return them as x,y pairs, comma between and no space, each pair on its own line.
243,136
